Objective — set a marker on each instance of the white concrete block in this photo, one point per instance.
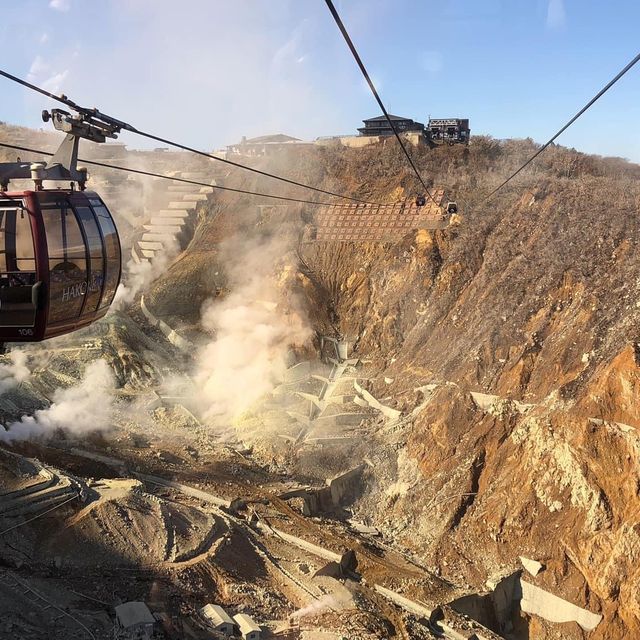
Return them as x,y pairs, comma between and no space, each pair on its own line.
541,603
194,197
164,238
532,566
184,206
162,229
174,213
151,246
195,175
389,412
168,221
135,255
484,401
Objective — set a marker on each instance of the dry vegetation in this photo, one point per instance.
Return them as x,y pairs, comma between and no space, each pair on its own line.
533,298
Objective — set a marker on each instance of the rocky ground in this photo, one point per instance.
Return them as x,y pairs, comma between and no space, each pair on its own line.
505,349
532,299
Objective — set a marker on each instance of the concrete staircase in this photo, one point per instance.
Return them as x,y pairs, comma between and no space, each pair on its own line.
320,401
324,401
330,383
172,218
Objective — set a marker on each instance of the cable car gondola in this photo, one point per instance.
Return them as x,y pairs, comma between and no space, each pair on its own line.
60,256
59,262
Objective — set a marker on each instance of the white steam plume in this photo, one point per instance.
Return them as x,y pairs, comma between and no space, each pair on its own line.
330,601
126,204
253,329
11,375
83,408
139,275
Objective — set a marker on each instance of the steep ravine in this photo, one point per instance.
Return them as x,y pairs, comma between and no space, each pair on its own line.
536,303
534,298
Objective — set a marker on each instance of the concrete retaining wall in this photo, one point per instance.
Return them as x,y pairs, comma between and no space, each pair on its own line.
346,484
414,138
321,552
170,334
418,609
513,593
45,481
341,419
390,413
298,373
326,498
190,491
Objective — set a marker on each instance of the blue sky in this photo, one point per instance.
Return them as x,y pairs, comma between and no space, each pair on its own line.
206,72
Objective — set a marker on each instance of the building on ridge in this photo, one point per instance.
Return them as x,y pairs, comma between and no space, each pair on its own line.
449,130
265,145
380,126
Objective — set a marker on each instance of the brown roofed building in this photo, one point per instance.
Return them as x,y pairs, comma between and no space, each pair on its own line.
265,145
380,126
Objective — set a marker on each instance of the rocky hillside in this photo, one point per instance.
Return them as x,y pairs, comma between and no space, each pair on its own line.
532,303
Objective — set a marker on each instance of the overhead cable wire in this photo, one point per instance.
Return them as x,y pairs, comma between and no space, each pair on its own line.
174,178
376,95
127,127
566,126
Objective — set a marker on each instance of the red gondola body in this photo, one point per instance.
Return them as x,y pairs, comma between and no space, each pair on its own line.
59,262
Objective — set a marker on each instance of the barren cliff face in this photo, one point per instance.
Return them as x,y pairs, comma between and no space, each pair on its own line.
531,303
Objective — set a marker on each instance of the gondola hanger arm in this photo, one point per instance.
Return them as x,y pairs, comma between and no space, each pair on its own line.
87,124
